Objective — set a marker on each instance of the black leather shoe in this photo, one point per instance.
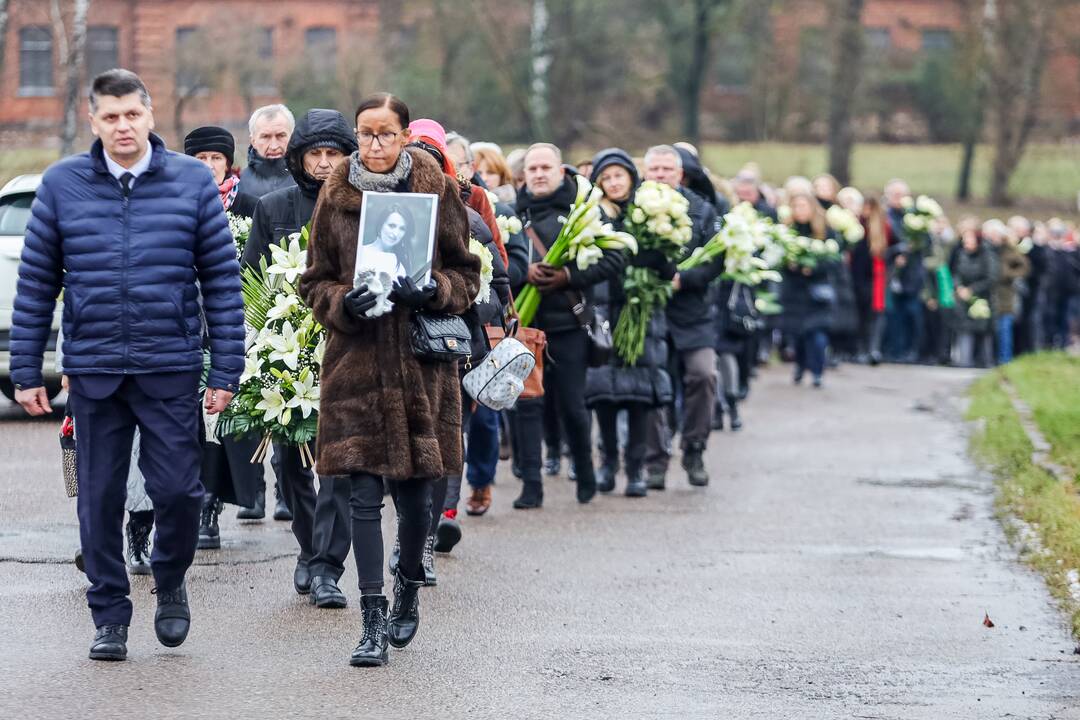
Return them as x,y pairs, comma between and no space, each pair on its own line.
447,534
635,483
605,476
532,496
301,578
281,510
110,643
656,479
372,650
694,464
256,511
429,562
209,533
173,617
80,562
138,537
404,617
325,593
586,491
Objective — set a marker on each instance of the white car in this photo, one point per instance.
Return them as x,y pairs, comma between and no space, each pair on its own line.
15,200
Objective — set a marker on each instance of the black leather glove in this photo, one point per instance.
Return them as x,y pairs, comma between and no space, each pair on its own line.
358,301
654,260
406,293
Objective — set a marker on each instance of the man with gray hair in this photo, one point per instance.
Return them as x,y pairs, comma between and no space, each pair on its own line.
270,128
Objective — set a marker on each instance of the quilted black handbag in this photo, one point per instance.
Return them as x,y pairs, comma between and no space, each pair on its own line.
440,337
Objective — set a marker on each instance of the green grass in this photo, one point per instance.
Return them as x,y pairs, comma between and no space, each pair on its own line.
1049,507
1047,180
22,162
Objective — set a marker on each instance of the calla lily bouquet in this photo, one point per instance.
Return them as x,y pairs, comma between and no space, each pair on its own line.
845,224
240,227
751,245
659,219
278,396
583,239
918,216
807,252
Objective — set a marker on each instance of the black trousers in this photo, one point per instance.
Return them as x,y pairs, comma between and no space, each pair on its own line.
564,384
169,459
413,500
637,416
298,491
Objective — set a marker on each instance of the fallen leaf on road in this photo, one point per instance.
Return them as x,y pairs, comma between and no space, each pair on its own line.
987,621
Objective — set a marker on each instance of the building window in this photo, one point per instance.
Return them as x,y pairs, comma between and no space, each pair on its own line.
189,74
937,40
102,50
35,62
260,81
321,44
878,39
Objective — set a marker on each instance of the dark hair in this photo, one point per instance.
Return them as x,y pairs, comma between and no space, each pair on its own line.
381,100
117,83
406,215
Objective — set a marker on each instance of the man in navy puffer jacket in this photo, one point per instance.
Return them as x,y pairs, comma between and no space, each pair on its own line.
132,233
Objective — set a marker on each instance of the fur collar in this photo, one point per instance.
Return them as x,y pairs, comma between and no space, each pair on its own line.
426,177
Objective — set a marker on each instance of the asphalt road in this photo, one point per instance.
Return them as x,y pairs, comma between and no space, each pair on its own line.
839,566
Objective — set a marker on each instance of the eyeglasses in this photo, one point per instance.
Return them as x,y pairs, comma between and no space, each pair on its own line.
366,138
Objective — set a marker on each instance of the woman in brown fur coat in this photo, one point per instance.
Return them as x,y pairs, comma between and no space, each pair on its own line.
385,414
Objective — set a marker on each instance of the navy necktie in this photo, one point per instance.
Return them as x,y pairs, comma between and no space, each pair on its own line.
125,182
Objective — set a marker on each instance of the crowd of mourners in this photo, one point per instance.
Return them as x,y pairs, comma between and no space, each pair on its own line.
389,425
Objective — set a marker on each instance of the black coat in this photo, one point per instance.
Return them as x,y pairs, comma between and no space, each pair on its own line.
542,214
244,205
691,321
846,319
911,278
732,301
647,382
862,273
262,176
287,210
801,312
977,272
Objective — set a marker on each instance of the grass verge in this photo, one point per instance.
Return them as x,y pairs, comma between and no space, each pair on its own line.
1048,511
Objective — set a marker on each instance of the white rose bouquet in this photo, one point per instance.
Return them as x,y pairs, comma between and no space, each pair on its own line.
487,268
659,219
979,309
240,227
918,216
582,240
278,396
845,224
804,252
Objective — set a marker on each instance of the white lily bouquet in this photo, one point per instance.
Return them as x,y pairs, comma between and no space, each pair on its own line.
240,227
845,224
278,396
582,240
487,269
659,219
804,252
751,245
918,215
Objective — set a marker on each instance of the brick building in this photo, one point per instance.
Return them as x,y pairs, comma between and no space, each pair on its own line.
215,60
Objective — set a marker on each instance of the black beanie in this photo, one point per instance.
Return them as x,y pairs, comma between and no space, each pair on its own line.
613,156
210,139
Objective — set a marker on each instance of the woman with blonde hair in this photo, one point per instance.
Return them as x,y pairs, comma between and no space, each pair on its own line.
495,173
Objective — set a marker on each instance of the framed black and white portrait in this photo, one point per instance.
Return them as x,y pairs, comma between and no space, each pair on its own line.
397,235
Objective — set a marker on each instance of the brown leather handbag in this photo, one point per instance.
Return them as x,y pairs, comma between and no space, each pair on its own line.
535,340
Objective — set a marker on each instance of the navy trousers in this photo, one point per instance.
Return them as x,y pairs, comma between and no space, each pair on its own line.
106,413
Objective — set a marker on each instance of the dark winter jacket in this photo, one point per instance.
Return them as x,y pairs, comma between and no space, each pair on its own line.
733,301
691,323
244,205
262,176
696,179
129,268
542,214
976,271
647,382
286,211
802,312
908,280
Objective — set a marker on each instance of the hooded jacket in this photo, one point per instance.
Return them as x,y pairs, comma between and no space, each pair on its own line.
263,176
285,211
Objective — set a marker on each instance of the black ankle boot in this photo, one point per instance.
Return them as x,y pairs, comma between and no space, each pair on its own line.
733,411
718,416
429,562
372,650
635,483
605,475
281,508
532,496
694,464
404,617
139,527
209,534
256,511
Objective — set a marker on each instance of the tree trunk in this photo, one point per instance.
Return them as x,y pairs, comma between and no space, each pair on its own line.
3,33
75,52
695,72
540,52
1018,58
847,52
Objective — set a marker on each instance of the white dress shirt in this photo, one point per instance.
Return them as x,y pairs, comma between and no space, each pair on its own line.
141,166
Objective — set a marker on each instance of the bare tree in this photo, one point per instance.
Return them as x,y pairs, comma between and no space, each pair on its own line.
981,37
540,53
202,60
847,52
1016,58
691,27
72,51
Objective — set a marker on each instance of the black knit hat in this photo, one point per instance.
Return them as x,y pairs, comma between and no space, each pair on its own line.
210,139
613,156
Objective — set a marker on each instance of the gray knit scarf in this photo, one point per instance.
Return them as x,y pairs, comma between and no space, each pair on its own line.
364,180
